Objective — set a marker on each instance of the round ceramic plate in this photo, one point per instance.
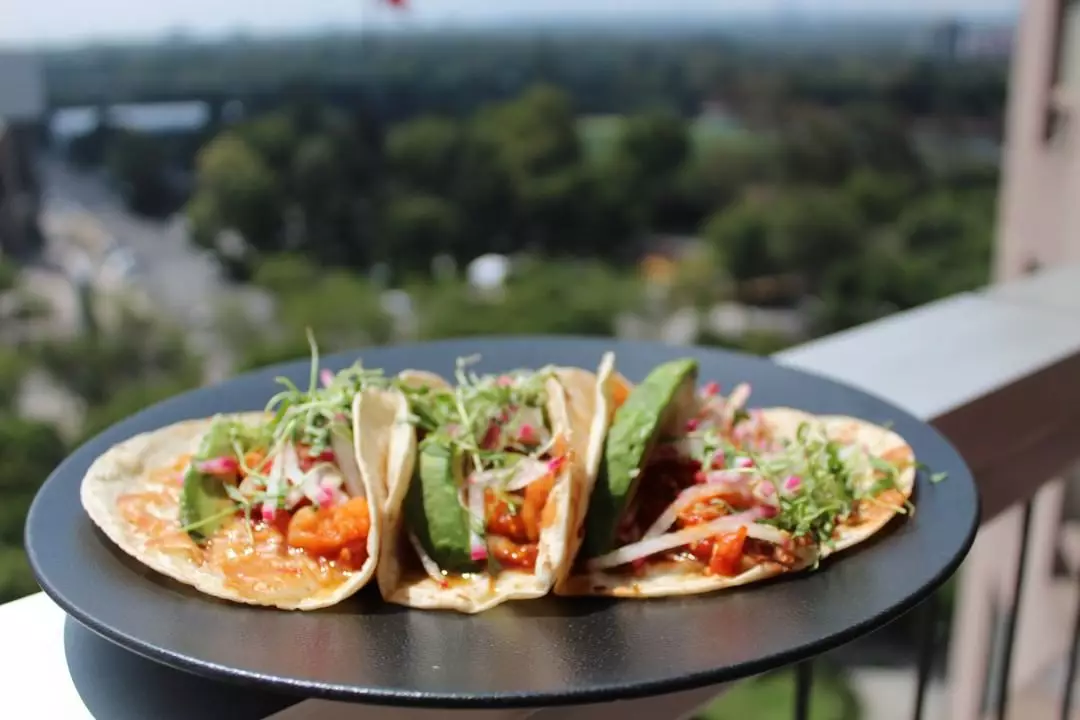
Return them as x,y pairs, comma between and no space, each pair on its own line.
544,652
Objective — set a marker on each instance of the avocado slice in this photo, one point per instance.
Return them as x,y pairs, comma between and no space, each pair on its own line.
204,504
651,407
434,512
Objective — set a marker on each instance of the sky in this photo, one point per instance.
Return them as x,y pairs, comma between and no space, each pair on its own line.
31,22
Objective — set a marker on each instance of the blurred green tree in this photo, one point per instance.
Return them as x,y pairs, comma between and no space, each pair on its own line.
136,349
12,370
813,230
9,275
648,157
541,297
235,189
416,228
29,451
425,154
342,309
742,235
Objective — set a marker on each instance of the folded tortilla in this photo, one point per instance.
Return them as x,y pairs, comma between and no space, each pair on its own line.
132,493
571,408
662,579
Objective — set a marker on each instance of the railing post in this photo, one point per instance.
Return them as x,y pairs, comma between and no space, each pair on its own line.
1070,671
927,645
1002,698
804,683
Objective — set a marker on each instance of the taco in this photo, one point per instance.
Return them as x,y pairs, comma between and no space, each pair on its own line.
263,508
480,478
693,493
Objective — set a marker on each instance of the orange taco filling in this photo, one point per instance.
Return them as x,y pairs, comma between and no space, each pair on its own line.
489,459
723,495
277,508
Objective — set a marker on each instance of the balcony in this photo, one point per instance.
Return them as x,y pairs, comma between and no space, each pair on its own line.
997,371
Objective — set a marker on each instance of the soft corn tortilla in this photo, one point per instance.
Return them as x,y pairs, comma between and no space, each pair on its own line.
671,579
135,465
570,408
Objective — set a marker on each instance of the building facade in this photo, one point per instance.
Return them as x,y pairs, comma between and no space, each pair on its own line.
1038,227
22,114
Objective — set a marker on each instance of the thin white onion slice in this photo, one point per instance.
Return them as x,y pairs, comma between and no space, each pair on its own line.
331,496
275,479
534,418
477,547
250,486
311,485
735,401
345,456
695,494
520,476
322,485
527,472
652,546
293,498
291,462
765,492
430,566
331,479
729,477
689,446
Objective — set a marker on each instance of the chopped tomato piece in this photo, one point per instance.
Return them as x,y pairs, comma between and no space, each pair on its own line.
727,553
309,459
702,550
281,522
339,532
532,509
256,460
503,519
519,556
491,437
900,456
701,512
619,392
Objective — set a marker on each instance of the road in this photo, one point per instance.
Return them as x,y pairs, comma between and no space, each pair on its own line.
157,256
90,233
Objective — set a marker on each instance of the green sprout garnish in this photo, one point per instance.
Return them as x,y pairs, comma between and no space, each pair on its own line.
309,417
817,480
463,416
473,417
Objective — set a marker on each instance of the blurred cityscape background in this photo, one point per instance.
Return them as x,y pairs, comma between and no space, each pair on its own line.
178,203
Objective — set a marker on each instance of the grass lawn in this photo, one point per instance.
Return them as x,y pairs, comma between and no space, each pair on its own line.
772,697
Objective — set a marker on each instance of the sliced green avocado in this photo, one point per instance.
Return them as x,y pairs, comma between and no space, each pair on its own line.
204,505
433,511
630,439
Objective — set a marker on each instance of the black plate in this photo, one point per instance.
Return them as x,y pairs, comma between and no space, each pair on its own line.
545,652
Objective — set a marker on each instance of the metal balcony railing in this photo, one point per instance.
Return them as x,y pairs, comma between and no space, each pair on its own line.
997,372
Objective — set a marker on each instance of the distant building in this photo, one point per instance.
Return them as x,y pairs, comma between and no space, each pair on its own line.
946,39
995,42
22,110
166,118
